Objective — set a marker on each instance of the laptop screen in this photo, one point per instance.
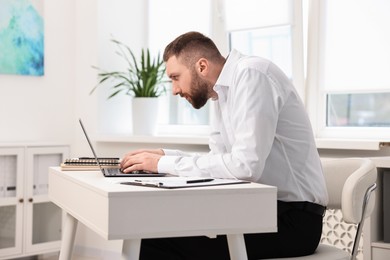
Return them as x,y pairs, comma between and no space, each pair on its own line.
90,145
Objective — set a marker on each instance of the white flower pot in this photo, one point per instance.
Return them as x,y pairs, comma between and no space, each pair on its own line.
145,114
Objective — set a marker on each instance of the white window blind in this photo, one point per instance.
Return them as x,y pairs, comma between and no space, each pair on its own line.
356,45
170,18
247,14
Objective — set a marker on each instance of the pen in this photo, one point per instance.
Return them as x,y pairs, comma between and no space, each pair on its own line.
199,180
149,183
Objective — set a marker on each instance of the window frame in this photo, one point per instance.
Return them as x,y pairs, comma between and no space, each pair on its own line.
316,100
297,44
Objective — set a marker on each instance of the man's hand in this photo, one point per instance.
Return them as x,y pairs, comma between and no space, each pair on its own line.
141,160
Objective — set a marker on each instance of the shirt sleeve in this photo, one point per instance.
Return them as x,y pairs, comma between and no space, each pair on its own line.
195,165
168,162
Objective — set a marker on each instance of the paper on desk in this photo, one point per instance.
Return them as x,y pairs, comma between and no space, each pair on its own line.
179,182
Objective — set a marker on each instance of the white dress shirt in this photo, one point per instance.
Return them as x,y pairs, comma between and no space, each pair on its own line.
260,133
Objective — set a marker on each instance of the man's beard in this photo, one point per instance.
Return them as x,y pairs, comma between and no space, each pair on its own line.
199,91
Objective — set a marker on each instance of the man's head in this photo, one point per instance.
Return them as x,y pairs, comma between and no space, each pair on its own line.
193,63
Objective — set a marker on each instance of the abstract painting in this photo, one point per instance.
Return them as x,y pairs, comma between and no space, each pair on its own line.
21,37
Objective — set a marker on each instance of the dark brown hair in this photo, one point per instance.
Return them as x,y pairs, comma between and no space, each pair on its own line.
192,46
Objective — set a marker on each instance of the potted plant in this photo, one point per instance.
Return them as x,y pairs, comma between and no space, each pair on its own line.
142,79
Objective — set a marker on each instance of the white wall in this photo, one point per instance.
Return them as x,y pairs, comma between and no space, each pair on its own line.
46,109
41,108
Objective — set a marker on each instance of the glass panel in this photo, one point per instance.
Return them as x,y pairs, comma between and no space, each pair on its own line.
7,226
191,116
46,223
271,43
166,14
182,113
42,162
361,110
8,173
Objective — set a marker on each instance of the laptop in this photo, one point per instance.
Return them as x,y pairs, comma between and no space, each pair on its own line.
116,172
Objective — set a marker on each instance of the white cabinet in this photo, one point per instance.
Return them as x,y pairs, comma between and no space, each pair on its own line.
29,223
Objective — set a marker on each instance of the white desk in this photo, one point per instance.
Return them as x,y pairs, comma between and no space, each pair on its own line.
116,211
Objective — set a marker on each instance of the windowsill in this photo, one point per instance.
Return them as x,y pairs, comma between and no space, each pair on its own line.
155,139
322,143
351,144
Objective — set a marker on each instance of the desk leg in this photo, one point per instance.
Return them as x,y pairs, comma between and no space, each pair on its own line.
131,249
70,226
237,247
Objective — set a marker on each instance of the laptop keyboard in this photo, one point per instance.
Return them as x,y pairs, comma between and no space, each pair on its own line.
115,171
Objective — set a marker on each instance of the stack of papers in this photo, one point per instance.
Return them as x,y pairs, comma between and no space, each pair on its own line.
88,164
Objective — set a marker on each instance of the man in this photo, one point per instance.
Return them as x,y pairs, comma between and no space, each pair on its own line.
261,133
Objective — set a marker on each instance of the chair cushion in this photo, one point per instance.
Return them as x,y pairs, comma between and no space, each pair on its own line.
323,252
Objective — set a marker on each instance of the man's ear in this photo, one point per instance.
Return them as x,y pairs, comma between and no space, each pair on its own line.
202,66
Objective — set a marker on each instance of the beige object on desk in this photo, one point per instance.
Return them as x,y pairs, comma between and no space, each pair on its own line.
127,212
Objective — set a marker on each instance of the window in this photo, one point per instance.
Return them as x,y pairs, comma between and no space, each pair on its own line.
347,88
358,110
271,43
167,20
351,57
269,29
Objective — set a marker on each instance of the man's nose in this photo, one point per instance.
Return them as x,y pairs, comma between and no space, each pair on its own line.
175,89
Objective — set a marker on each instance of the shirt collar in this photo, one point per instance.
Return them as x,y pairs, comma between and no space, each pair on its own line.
225,78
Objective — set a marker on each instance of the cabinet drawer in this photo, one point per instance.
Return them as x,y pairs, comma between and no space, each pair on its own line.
380,253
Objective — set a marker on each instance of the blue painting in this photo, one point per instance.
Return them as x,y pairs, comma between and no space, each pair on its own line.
21,37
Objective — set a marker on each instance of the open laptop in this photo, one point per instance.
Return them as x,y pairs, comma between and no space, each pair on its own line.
116,172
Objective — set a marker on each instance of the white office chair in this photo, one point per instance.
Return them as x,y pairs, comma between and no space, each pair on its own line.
351,185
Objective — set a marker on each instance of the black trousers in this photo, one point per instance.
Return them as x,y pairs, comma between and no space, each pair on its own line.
299,232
